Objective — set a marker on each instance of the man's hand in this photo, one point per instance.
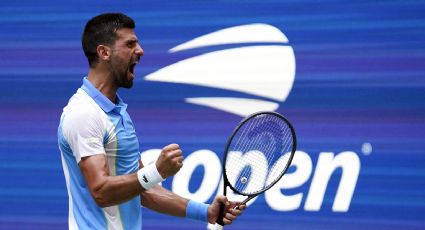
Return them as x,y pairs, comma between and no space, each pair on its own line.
170,160
230,214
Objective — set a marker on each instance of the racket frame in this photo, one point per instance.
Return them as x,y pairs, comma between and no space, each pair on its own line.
219,223
229,140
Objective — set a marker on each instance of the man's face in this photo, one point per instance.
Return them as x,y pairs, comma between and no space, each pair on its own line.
126,52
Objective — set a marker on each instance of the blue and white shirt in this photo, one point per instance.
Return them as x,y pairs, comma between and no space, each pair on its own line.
91,124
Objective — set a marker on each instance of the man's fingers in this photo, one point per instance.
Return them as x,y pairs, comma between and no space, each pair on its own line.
178,159
175,153
171,147
239,206
230,216
170,160
227,221
222,199
235,211
231,212
242,207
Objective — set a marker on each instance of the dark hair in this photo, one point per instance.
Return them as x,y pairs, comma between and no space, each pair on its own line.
101,30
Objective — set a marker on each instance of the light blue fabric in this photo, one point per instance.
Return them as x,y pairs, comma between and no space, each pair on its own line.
84,209
197,211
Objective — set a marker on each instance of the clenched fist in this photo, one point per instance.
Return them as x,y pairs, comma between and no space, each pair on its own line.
170,160
232,210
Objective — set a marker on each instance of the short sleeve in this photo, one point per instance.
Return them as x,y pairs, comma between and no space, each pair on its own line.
84,129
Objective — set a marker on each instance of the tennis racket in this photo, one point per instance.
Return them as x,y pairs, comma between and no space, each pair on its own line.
257,155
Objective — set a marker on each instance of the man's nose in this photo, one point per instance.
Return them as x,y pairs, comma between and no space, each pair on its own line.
139,51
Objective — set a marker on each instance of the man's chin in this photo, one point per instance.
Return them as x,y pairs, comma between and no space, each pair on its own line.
127,84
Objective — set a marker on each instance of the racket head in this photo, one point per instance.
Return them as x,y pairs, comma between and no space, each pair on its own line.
266,137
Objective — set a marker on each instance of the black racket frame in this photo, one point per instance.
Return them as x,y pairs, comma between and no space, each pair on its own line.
229,140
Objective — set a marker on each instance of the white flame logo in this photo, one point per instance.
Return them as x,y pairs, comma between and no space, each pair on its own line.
266,71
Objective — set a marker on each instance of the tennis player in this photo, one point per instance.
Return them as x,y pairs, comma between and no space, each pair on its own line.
106,181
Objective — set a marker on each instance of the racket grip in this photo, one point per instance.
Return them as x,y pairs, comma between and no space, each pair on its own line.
219,222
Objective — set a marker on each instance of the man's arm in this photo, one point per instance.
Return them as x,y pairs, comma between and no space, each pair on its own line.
164,201
105,189
111,190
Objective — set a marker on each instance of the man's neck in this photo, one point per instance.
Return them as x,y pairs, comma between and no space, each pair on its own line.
103,82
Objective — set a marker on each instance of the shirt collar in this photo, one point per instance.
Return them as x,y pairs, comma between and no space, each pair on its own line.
100,99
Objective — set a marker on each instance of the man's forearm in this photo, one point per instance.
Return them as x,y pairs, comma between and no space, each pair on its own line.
164,201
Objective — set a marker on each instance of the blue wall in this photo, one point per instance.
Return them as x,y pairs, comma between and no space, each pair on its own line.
359,83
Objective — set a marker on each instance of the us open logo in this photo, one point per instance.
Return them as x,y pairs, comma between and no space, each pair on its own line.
260,67
263,68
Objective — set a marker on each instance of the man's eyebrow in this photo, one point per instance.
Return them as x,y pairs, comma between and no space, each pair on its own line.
132,40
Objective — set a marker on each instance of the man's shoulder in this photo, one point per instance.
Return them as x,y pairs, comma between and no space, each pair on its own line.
82,105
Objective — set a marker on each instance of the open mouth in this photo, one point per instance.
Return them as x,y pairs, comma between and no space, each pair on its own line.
132,66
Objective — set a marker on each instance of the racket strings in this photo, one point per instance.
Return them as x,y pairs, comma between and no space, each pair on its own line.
261,143
245,147
257,181
275,174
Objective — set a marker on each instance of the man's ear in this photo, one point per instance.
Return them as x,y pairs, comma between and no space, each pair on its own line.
104,52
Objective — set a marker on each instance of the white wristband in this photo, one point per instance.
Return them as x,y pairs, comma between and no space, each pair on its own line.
149,176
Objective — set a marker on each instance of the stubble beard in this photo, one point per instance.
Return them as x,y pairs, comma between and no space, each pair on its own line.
124,82
121,78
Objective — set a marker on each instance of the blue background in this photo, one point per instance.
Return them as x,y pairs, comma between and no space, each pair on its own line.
360,77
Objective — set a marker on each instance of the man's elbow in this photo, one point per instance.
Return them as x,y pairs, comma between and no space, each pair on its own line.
100,197
101,202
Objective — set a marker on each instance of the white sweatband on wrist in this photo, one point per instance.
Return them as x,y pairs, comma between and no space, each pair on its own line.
149,176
